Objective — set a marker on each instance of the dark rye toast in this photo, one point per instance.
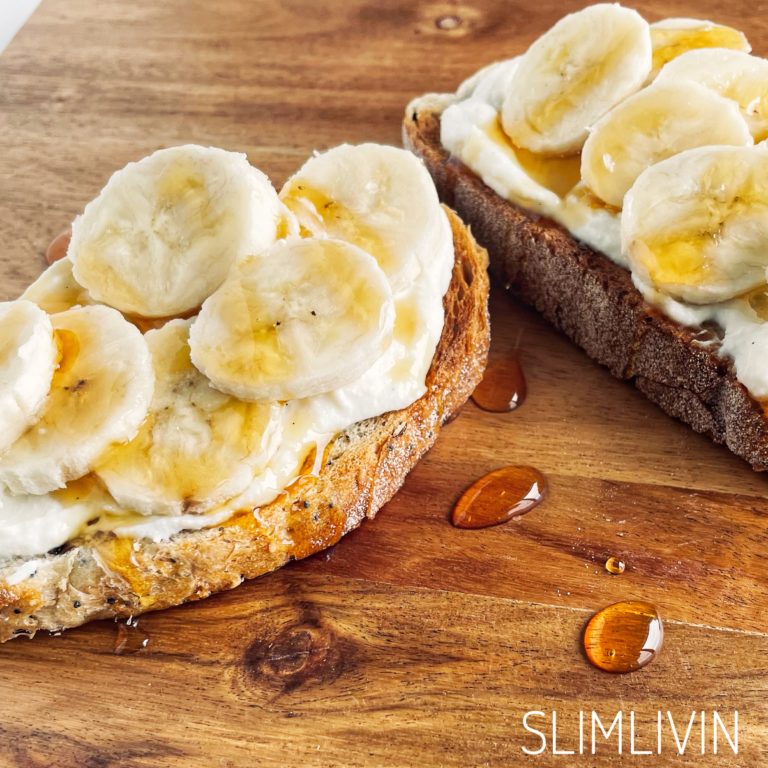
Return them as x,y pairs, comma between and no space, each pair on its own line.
594,302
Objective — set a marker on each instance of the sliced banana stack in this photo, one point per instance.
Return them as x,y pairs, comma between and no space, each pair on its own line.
99,395
673,37
177,428
198,447
379,198
164,232
301,318
693,225
28,357
388,194
656,123
573,74
733,74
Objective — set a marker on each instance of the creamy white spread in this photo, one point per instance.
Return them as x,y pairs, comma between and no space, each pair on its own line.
470,131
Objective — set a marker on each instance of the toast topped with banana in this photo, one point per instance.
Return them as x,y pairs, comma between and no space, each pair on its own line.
617,173
218,379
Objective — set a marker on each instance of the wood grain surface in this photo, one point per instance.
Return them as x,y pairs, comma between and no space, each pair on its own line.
411,643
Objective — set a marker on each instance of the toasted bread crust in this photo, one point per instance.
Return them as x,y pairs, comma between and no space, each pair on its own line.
593,301
106,576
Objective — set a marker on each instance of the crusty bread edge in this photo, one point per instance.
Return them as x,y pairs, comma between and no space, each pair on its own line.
593,301
107,577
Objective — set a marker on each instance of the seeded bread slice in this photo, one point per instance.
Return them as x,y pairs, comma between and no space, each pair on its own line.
593,301
105,576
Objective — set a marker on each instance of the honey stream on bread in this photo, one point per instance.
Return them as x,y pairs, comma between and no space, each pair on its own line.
504,494
624,637
558,174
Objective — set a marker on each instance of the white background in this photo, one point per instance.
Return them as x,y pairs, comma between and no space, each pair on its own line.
13,14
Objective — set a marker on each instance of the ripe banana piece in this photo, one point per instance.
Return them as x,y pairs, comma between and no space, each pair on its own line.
164,232
693,226
733,74
656,123
99,396
673,37
197,447
572,75
304,317
378,198
28,357
56,290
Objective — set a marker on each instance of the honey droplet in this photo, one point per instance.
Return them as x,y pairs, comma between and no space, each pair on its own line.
502,495
615,565
58,247
624,637
503,386
130,639
448,22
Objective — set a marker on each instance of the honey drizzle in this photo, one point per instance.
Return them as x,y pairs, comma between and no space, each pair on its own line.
502,495
557,174
669,43
120,557
624,637
308,473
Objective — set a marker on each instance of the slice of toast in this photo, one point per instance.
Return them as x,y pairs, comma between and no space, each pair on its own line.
105,576
593,301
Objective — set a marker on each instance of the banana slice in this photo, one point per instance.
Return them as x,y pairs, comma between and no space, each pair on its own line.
673,37
99,396
302,318
733,74
56,290
572,75
654,124
28,356
379,198
693,226
198,447
164,232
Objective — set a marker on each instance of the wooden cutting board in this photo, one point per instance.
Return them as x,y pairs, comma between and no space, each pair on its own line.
411,643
